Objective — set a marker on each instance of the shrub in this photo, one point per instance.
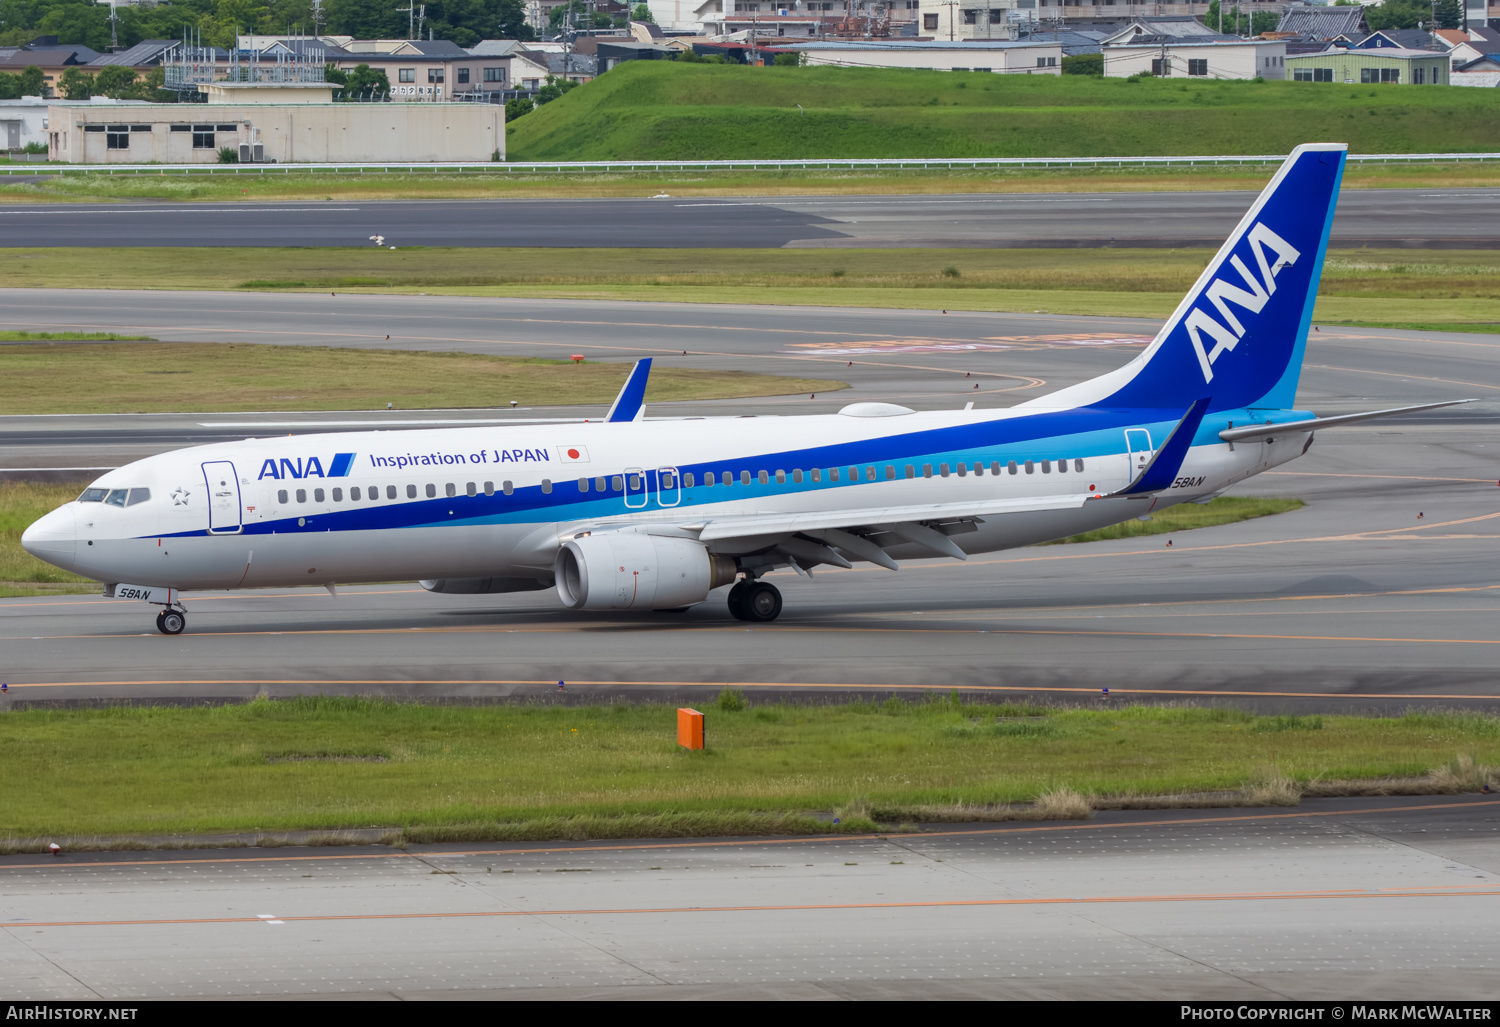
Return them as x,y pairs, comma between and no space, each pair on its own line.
228,155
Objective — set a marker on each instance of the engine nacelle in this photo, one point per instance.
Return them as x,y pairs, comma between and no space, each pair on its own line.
632,571
483,586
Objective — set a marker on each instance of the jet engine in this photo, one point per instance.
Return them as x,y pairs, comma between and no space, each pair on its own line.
632,571
484,586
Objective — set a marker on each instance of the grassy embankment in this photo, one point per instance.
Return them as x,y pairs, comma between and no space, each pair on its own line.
472,773
654,110
1439,288
647,110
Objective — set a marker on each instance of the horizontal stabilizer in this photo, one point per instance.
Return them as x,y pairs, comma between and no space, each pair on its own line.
630,404
1313,424
1163,468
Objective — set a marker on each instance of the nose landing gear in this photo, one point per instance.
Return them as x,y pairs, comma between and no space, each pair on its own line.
755,601
170,622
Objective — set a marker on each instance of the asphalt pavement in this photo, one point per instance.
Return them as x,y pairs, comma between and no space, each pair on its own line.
1423,218
1356,899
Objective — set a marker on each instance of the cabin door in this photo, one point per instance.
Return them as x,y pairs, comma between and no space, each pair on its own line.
224,517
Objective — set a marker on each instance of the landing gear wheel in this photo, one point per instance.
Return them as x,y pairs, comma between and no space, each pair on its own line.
159,616
170,622
761,602
737,599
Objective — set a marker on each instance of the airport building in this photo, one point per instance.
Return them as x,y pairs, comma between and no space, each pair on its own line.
1377,65
979,55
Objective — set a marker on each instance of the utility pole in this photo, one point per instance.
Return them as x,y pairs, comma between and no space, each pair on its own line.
950,4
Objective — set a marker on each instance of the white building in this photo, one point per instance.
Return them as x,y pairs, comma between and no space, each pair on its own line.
24,121
938,55
1246,58
975,19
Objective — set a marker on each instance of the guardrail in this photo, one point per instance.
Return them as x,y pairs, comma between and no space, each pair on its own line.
659,166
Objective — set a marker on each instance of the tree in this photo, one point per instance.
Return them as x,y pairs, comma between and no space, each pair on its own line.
519,107
1083,64
117,81
363,82
1238,22
554,88
787,60
641,12
76,84
1408,14
32,81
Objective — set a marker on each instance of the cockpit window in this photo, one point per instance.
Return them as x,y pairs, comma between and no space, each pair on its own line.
116,497
138,496
93,495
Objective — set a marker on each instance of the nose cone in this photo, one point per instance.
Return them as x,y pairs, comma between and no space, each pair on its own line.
54,538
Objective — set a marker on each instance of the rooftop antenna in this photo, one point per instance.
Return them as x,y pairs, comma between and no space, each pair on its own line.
411,18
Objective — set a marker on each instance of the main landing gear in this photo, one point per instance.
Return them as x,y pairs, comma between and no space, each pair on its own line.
171,622
757,601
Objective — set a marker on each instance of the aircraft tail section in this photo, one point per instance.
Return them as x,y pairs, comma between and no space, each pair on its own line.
1238,335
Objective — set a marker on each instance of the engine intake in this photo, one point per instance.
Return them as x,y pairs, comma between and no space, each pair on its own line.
632,571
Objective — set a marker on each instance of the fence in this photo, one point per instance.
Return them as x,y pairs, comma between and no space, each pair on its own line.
661,166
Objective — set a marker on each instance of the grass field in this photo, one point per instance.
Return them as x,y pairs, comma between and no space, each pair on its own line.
1402,287
22,574
133,377
345,187
669,111
504,772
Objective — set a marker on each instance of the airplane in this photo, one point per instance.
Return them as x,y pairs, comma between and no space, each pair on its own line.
630,514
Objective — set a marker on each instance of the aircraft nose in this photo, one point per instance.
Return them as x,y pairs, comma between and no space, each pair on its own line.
53,538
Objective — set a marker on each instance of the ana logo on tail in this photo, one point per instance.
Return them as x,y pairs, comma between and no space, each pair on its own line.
1221,293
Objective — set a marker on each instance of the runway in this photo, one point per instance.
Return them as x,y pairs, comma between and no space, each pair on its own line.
1421,218
1367,899
1354,603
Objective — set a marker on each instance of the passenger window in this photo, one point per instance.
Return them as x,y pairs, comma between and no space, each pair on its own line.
431,490
688,480
780,476
489,488
911,472
1078,466
93,495
302,495
833,474
927,470
1046,466
1062,467
338,495
796,476
138,496
995,468
583,484
411,492
963,470
116,497
635,482
450,489
1010,468
317,495
353,495
943,470
618,484
744,477
546,486
507,487
471,489
817,475
763,477
390,492
854,474
708,479
869,474
281,497
665,479
601,484
979,469
727,479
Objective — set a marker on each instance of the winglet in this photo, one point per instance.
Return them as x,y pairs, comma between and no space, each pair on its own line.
1163,468
630,404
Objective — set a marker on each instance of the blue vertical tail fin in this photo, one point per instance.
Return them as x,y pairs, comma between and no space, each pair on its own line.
1239,333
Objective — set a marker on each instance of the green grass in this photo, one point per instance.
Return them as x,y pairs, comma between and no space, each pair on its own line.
1439,287
443,771
7,336
1186,516
22,574
141,377
183,185
668,111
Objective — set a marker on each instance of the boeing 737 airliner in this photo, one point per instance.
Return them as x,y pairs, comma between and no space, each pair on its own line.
630,514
